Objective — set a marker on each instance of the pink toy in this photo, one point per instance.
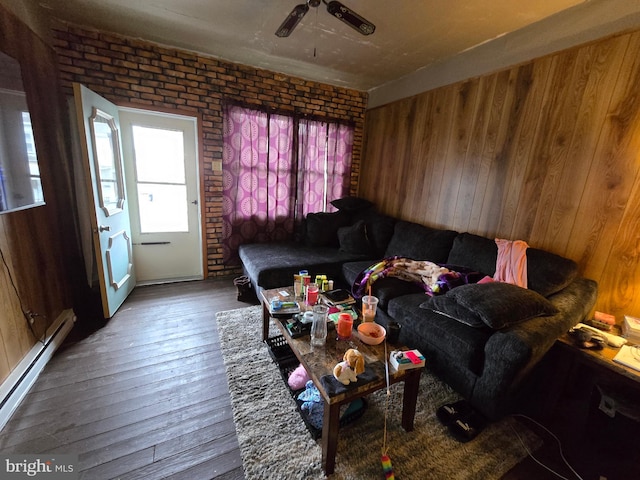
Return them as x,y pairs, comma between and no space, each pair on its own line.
298,378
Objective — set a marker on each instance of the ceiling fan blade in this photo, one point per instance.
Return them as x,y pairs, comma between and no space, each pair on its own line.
351,18
292,20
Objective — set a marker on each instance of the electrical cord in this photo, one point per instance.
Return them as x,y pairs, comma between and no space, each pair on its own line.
557,441
27,315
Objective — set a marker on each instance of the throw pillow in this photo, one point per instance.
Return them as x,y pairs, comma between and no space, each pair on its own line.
449,307
549,273
498,305
322,228
420,242
353,239
351,204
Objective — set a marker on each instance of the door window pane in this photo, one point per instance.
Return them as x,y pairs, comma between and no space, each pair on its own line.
160,179
159,155
163,208
107,161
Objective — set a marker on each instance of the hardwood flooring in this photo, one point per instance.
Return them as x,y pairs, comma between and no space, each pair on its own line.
145,394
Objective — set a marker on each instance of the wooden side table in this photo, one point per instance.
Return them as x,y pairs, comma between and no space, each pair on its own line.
574,387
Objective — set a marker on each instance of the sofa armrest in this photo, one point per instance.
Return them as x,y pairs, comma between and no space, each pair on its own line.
510,354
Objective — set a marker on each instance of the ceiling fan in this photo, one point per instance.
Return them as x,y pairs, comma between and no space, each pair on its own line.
337,9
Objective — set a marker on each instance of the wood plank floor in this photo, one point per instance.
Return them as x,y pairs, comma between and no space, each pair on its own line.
142,396
145,395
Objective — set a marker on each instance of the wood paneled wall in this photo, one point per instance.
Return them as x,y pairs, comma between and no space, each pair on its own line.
37,244
547,152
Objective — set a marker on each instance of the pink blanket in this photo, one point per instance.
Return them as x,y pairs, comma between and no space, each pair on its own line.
511,265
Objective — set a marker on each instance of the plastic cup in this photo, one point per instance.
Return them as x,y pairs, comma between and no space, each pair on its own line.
345,326
369,306
319,326
312,294
297,287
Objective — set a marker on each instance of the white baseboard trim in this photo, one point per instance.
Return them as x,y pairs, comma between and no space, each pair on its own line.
17,385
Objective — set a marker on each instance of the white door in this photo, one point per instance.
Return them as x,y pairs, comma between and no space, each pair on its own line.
161,165
99,129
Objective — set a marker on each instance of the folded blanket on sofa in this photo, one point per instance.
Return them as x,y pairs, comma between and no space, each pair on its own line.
433,278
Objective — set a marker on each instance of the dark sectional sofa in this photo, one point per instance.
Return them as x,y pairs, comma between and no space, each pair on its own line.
482,339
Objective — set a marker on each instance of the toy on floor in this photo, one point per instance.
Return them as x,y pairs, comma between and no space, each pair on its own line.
348,370
387,468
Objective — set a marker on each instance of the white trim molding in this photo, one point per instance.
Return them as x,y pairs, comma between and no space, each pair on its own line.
21,379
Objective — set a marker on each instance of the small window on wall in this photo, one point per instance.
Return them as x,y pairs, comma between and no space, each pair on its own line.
160,179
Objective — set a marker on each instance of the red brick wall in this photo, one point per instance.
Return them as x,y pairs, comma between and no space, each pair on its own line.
139,73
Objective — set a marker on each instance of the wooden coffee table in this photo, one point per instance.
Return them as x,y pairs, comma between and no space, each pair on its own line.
319,361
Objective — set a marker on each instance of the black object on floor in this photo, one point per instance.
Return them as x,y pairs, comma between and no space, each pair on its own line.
463,421
450,412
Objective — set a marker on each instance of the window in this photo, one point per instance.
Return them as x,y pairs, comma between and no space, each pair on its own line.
276,169
160,179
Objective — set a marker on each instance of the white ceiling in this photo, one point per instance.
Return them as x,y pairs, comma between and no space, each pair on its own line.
410,34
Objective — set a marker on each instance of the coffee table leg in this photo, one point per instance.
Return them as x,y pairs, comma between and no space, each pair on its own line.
265,321
410,398
330,426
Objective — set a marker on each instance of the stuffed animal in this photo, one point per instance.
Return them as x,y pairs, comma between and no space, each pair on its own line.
351,366
298,378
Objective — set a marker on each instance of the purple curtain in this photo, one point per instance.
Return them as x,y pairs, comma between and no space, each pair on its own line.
324,153
312,151
339,150
257,179
265,191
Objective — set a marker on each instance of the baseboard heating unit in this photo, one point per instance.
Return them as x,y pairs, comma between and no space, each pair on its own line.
18,383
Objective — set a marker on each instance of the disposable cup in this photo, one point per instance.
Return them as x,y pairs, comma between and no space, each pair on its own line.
369,306
312,294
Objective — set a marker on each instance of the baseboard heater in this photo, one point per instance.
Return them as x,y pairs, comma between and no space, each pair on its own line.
17,385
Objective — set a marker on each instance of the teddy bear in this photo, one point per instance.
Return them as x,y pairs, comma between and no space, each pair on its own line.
351,366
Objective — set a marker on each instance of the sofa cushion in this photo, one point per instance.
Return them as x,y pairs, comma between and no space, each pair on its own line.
351,204
456,343
379,229
353,239
548,273
474,252
418,242
272,265
449,306
322,228
496,304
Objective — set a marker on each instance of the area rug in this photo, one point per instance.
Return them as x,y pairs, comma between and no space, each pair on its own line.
275,443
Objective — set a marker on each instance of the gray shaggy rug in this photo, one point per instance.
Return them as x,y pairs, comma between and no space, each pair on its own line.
276,444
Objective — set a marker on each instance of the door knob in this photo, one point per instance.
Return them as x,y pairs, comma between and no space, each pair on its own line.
104,228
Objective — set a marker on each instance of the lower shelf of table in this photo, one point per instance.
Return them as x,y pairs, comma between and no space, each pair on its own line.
287,362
